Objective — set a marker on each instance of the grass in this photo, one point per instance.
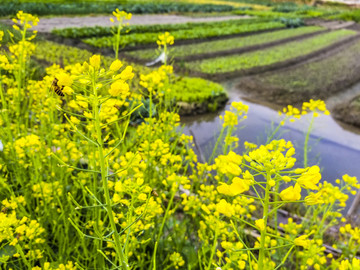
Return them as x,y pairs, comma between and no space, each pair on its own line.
269,56
227,44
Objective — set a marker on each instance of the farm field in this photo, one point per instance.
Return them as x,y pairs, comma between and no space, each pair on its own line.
201,136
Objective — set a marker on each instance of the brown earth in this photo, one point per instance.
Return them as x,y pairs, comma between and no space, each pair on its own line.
348,112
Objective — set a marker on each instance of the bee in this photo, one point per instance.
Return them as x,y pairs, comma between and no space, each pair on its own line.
57,89
154,193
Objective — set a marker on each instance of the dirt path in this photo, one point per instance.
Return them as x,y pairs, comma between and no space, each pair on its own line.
48,24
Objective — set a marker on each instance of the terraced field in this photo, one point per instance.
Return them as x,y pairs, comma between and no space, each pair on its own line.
284,62
268,56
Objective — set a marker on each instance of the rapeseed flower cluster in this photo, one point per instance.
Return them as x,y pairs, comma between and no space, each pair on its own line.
165,39
120,16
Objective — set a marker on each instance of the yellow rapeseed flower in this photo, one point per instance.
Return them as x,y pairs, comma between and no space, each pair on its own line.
64,79
68,90
116,65
230,119
229,164
310,178
225,208
313,199
164,39
237,187
95,61
120,15
119,88
292,193
126,74
260,224
302,241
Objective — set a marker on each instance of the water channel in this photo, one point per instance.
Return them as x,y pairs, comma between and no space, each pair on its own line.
334,147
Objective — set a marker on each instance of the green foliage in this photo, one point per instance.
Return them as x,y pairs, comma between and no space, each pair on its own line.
227,44
269,56
291,7
292,23
41,8
198,32
196,90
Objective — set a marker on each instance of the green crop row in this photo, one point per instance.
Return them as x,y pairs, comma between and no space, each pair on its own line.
198,32
41,8
227,44
273,14
196,90
184,89
269,56
351,15
97,31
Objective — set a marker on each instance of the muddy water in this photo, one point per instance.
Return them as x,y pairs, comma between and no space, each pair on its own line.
334,147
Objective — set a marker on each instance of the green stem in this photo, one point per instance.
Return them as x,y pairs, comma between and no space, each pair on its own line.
211,159
275,130
165,52
150,104
213,249
228,135
265,217
161,228
117,40
276,199
104,171
284,259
